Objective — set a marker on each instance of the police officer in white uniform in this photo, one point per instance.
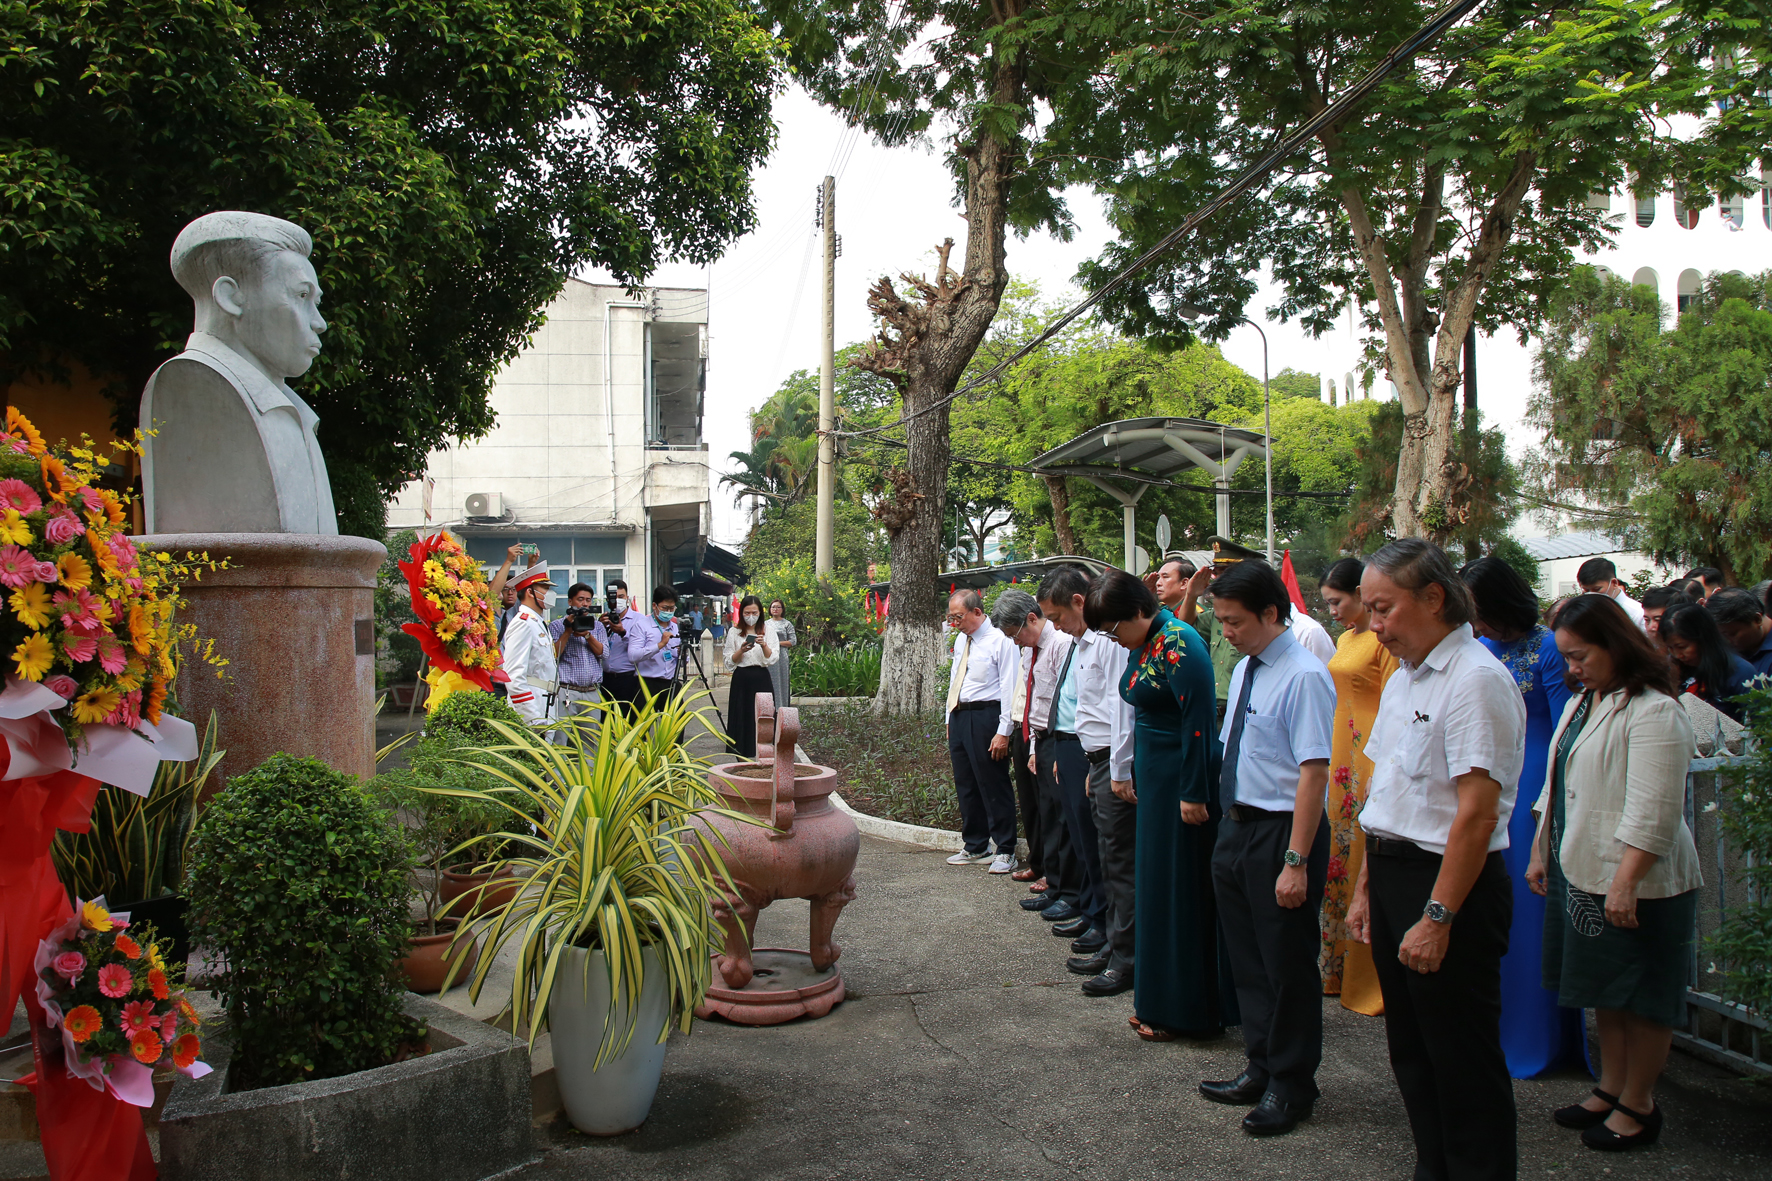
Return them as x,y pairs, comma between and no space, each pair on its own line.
528,650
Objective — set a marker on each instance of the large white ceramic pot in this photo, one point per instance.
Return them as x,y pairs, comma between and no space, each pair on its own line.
615,1097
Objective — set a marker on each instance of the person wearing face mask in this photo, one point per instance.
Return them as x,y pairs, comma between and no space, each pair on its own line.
750,650
620,682
653,645
528,651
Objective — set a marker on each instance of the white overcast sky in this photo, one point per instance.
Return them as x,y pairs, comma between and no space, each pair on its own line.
893,207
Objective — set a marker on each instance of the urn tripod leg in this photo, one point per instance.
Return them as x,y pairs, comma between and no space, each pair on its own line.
825,909
737,913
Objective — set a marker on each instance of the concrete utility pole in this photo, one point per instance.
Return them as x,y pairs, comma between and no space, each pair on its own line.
825,556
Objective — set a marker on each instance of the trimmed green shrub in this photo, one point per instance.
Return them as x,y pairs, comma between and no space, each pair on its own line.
463,719
852,670
298,885
829,610
1743,943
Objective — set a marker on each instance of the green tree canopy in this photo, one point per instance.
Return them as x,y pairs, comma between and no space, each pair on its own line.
1663,437
787,533
455,160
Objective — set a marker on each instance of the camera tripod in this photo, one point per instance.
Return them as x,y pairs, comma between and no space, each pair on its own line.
689,650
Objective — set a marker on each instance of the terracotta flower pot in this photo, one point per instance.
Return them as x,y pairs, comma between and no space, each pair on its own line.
473,899
430,959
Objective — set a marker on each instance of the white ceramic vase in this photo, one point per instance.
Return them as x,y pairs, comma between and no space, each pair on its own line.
616,1097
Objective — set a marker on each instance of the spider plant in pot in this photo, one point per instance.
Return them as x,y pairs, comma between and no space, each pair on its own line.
613,926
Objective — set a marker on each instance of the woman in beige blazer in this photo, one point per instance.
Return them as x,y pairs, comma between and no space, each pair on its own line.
1616,860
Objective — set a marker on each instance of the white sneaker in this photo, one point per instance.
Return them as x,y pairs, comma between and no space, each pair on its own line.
965,858
1004,863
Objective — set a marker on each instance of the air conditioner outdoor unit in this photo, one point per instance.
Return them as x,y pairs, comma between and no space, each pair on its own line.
485,504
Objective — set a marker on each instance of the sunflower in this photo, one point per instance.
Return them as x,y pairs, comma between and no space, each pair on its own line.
96,705
18,424
33,656
30,603
76,571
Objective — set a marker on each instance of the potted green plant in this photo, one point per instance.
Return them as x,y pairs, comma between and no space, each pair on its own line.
137,846
613,927
478,879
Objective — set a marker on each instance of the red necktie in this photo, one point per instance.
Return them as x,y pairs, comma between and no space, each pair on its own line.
1027,697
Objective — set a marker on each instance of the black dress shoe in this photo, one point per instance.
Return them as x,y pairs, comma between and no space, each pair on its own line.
1090,941
1059,912
1111,982
1606,1140
1242,1091
1581,1118
1039,902
1273,1116
1071,928
1088,965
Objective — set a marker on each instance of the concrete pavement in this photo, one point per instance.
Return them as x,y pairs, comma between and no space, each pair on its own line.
966,1050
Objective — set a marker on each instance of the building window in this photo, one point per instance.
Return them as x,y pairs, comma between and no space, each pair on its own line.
1645,210
1601,201
1685,215
1691,285
1734,211
1646,277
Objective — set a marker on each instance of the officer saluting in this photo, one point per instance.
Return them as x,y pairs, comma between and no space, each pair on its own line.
528,651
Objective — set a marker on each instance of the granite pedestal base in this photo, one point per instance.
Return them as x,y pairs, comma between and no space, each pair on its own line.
784,986
294,618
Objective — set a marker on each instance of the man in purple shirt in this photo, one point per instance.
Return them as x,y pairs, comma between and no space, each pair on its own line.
620,682
653,644
578,651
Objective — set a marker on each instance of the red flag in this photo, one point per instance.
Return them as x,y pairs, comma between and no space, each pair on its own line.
1290,578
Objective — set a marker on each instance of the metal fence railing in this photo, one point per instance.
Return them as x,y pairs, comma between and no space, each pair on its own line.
1722,1030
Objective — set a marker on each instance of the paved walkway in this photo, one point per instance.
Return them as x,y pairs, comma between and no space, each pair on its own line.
965,1050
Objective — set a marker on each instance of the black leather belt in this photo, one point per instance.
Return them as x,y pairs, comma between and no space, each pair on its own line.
1392,847
1097,757
967,705
1064,736
1244,814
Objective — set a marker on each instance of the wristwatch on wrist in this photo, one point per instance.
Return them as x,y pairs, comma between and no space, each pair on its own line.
1436,912
1294,859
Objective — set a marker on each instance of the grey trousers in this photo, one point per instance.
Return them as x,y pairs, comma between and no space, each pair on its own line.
1116,828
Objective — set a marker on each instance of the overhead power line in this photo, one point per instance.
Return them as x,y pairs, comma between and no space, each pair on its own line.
1248,179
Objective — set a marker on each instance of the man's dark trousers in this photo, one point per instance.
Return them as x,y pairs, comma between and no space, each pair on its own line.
1064,876
1272,948
1445,1027
1079,823
621,687
987,799
1027,797
1116,823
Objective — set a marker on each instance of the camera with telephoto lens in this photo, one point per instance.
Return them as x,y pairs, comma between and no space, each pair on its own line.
581,619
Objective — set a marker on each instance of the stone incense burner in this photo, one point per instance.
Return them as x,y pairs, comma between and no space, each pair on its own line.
806,848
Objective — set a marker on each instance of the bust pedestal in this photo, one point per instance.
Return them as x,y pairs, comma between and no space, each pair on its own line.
294,618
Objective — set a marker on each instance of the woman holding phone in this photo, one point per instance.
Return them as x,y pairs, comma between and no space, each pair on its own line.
750,650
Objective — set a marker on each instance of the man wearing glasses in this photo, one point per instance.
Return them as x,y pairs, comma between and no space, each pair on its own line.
981,688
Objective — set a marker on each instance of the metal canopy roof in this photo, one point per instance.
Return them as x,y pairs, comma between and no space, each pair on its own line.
1157,447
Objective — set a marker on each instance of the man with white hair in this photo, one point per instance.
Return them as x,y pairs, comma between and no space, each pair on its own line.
235,450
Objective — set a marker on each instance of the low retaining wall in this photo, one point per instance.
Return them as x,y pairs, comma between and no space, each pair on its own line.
460,1113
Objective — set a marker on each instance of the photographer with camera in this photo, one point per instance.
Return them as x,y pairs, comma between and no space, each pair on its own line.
653,644
620,681
580,639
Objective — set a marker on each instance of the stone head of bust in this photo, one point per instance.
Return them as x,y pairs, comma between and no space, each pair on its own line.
254,288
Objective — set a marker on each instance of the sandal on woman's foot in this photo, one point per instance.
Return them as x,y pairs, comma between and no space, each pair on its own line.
1581,1117
1154,1033
1606,1140
1023,875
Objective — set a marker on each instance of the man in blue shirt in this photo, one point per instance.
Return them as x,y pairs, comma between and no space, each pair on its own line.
620,682
1741,617
580,640
1272,855
653,644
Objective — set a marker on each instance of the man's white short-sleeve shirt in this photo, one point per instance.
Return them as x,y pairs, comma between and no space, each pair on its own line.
1456,711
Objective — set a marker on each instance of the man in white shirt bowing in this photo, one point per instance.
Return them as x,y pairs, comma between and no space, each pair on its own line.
1272,857
1433,897
981,688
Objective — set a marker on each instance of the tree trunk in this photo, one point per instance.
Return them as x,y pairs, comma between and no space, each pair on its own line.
924,345
1061,514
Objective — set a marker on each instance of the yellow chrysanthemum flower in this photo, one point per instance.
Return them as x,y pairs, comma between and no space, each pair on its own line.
95,706
76,572
31,604
95,917
33,656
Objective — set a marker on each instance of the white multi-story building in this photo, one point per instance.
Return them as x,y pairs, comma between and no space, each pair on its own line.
597,457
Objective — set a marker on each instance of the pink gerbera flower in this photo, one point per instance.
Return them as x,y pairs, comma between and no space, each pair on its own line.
79,648
19,495
137,1016
169,1028
91,499
111,656
63,527
124,549
79,612
114,980
17,566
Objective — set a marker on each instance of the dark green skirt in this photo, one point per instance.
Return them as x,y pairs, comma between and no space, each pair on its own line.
1591,964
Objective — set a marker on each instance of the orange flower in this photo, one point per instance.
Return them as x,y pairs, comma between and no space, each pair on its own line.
185,1050
18,424
187,1011
113,507
147,1047
129,947
157,982
55,478
82,1021
156,698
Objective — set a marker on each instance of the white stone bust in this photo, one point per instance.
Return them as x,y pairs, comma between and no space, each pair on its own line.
235,450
